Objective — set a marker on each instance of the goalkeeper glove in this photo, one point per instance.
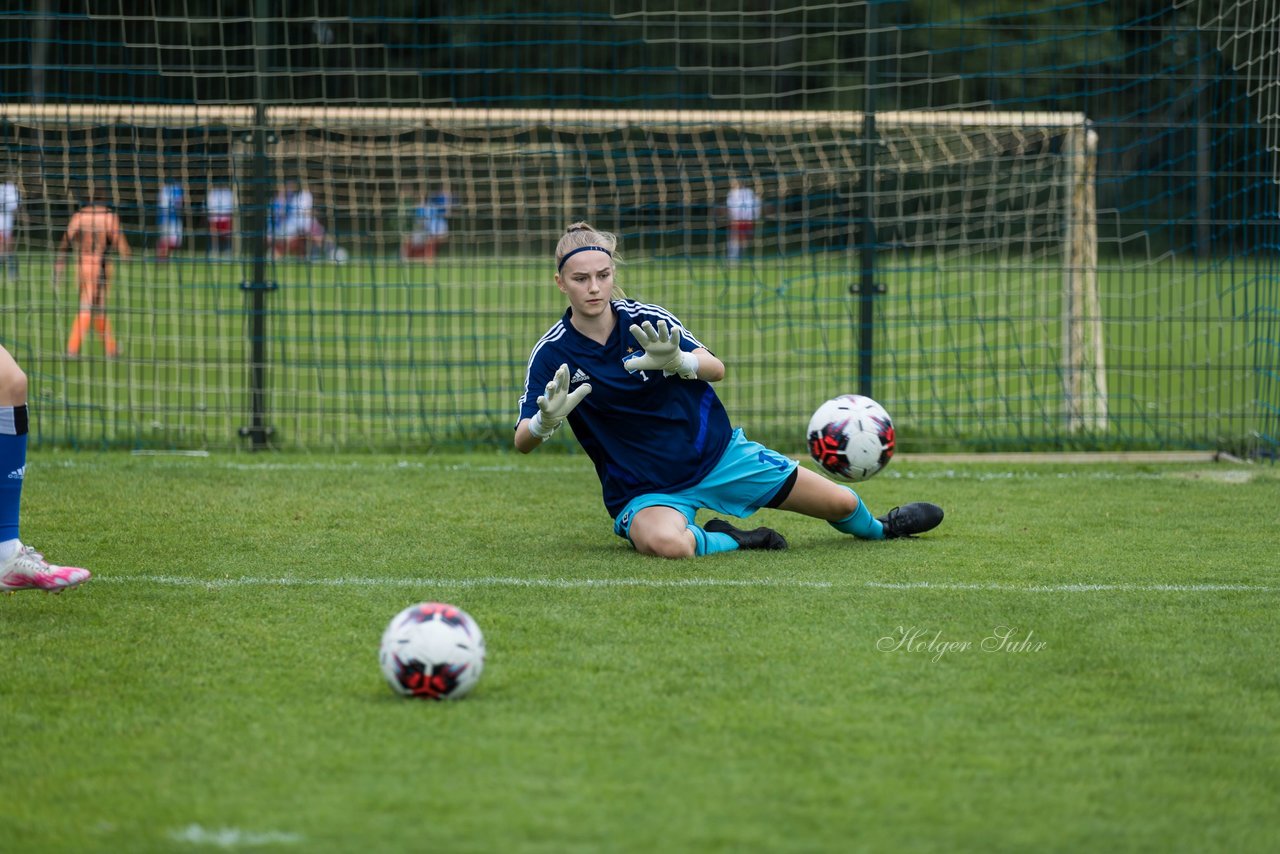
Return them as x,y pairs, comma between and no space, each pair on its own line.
661,352
556,404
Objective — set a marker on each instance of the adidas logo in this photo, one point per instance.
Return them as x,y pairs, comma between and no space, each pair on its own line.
579,376
17,473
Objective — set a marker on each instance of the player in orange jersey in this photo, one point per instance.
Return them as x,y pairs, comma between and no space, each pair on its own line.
94,231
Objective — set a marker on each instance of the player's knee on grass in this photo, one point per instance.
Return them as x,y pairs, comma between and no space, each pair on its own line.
663,541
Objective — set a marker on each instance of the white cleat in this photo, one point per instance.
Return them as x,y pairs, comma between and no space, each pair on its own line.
28,570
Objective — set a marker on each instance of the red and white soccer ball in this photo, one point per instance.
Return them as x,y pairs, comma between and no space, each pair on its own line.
432,651
851,436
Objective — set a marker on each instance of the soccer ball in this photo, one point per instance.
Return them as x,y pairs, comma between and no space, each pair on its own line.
432,651
851,436
339,255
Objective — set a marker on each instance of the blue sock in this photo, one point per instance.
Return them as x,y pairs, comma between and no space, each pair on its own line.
860,523
709,544
13,464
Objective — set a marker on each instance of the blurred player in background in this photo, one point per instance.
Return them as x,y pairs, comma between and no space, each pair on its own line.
645,413
275,221
172,206
419,220
21,567
220,207
301,233
428,222
94,231
435,221
743,209
10,203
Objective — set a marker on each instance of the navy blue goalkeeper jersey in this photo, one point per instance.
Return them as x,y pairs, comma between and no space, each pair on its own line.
644,432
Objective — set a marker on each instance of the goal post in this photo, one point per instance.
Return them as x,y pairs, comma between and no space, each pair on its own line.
989,214
1084,356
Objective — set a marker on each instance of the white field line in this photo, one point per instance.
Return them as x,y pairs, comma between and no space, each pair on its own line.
231,837
145,453
1069,588
491,581
1211,472
589,583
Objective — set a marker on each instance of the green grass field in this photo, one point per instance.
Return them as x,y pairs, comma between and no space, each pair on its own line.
384,356
215,687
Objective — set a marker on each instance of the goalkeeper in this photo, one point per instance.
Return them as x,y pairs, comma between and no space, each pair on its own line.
636,387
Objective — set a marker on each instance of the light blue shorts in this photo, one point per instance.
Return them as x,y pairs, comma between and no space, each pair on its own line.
747,476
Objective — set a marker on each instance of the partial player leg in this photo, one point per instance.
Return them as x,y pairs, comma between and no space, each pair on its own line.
663,532
759,538
79,328
101,324
814,495
87,273
26,569
911,519
21,567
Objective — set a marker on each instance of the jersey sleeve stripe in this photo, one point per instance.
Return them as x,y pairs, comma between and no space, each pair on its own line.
634,307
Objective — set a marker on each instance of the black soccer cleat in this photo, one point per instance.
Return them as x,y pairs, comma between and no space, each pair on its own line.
760,538
911,519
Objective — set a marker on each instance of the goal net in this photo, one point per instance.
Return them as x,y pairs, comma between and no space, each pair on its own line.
1247,33
987,316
